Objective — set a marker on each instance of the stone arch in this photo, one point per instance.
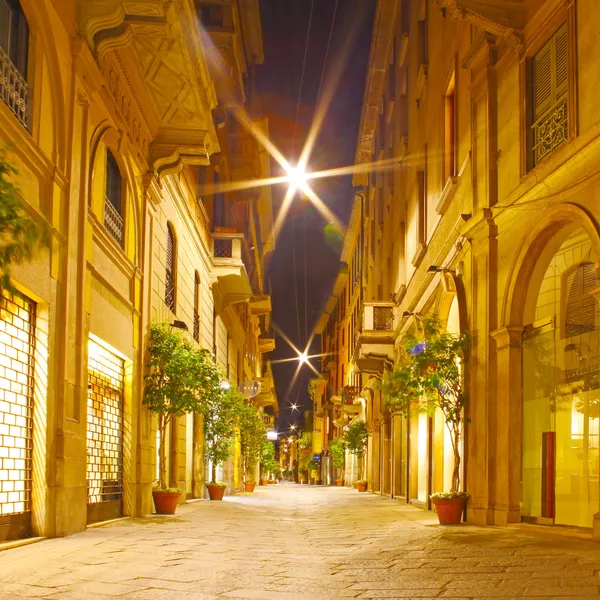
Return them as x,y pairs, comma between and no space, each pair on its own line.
452,289
559,220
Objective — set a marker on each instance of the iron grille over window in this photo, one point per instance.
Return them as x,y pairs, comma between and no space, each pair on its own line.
17,327
223,248
197,307
580,311
104,425
550,78
383,318
14,42
113,208
170,270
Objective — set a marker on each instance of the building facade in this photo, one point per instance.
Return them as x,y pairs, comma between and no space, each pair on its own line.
117,118
487,218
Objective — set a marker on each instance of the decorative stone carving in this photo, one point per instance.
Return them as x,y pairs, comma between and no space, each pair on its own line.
496,18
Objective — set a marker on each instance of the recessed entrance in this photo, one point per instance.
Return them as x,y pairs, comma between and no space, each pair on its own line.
104,472
561,386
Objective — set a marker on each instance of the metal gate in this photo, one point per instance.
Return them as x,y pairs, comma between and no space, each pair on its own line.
17,339
104,433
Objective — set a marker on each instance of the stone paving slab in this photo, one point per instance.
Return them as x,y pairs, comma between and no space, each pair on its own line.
288,542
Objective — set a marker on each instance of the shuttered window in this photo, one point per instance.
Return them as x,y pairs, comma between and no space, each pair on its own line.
170,269
550,79
197,306
580,310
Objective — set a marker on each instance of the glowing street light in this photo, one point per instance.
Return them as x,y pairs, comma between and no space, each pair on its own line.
294,406
303,358
296,177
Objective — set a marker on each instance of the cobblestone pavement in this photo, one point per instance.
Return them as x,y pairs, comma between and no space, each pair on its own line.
289,542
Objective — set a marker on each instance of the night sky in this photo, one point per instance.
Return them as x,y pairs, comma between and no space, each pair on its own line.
306,261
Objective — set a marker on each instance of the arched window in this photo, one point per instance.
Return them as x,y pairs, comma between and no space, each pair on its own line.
113,203
14,43
170,263
580,307
197,306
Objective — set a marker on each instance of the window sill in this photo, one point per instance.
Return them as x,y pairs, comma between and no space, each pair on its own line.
447,195
419,254
420,83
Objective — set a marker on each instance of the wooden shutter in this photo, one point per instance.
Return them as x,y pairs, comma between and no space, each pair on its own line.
550,72
580,308
542,81
197,306
561,61
170,270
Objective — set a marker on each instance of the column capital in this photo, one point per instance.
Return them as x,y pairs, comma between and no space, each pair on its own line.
509,336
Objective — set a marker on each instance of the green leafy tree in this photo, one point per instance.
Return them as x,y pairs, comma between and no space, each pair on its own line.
180,379
267,458
21,235
356,442
252,438
431,377
337,450
222,416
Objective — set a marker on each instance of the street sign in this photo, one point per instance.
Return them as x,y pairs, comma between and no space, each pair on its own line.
325,453
317,457
250,389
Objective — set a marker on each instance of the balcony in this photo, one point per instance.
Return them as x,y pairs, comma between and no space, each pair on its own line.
13,88
266,344
375,340
267,395
229,269
260,304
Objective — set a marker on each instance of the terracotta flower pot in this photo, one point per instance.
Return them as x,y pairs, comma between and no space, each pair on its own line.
264,481
215,492
165,503
249,485
339,482
449,511
361,486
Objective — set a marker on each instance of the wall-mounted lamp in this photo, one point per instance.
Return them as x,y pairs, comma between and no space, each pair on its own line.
436,269
408,313
180,325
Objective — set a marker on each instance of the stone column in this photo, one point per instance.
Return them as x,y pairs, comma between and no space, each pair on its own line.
506,505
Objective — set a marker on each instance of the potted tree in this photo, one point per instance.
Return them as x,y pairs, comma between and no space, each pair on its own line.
179,380
356,443
252,438
267,462
430,377
337,451
313,467
221,418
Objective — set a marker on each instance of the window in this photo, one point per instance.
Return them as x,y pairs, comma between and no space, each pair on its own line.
113,206
14,42
549,111
422,41
170,263
212,16
580,308
450,130
421,208
219,209
197,306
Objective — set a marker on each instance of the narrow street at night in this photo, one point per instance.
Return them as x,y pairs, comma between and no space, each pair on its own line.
288,542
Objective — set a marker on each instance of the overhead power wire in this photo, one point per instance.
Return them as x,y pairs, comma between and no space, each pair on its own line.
327,51
312,6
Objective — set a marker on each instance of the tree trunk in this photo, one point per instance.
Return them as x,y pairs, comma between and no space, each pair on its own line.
214,472
456,470
162,454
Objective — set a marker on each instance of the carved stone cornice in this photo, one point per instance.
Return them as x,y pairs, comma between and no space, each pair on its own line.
499,17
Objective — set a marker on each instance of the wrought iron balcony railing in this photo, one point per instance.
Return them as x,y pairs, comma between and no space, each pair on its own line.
14,89
383,318
113,222
549,131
